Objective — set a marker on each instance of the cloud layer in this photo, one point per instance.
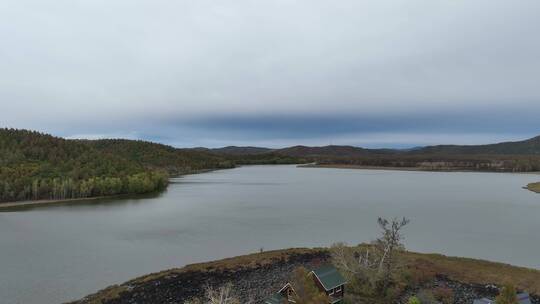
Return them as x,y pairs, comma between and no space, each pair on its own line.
273,72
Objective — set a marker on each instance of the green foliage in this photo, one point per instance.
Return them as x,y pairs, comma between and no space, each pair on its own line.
153,155
413,300
508,295
37,166
266,159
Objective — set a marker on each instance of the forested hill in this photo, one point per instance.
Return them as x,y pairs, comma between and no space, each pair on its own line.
519,156
332,151
158,156
524,147
37,166
234,150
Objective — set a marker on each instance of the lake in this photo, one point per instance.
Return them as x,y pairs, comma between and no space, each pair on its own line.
56,253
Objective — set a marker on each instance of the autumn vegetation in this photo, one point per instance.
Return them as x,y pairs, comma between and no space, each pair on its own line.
36,166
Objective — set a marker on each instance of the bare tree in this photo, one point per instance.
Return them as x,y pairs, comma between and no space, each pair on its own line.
389,243
221,295
373,264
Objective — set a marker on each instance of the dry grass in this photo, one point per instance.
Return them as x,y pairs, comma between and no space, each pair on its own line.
244,261
535,187
476,271
109,293
460,269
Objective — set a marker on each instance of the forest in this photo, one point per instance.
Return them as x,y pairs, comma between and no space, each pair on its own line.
36,166
442,162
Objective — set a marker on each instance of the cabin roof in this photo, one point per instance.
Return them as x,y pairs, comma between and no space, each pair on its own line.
329,277
275,299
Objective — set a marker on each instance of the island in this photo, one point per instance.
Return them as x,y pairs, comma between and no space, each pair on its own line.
534,187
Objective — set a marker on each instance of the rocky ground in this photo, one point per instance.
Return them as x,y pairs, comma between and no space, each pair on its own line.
463,293
254,278
250,282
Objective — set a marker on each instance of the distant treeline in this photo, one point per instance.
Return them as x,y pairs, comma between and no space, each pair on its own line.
518,156
266,159
440,162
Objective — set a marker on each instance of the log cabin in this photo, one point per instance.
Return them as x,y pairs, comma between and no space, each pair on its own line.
330,281
327,279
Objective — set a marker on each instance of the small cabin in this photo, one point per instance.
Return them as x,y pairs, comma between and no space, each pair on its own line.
523,298
284,295
330,281
327,279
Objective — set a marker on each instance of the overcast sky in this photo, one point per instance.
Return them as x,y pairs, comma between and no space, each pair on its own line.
273,73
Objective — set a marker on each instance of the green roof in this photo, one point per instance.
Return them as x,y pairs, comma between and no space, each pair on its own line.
275,299
329,276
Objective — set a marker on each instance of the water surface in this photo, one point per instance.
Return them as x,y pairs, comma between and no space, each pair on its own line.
53,254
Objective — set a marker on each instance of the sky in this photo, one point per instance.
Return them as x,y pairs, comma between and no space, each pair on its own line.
190,73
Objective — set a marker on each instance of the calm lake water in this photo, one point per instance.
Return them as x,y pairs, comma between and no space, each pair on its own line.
52,254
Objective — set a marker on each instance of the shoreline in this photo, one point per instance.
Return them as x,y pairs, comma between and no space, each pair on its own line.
13,205
416,169
19,204
533,187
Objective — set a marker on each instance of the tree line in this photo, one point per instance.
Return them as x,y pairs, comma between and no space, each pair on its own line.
36,166
490,163
59,188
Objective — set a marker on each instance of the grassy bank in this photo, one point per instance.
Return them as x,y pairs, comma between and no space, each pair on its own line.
474,271
535,187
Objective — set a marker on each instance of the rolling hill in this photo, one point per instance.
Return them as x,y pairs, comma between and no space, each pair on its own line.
518,156
526,147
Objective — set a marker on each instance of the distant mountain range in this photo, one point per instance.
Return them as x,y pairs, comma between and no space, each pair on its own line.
235,150
525,147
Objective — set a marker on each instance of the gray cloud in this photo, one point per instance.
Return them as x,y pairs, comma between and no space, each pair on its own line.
159,69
